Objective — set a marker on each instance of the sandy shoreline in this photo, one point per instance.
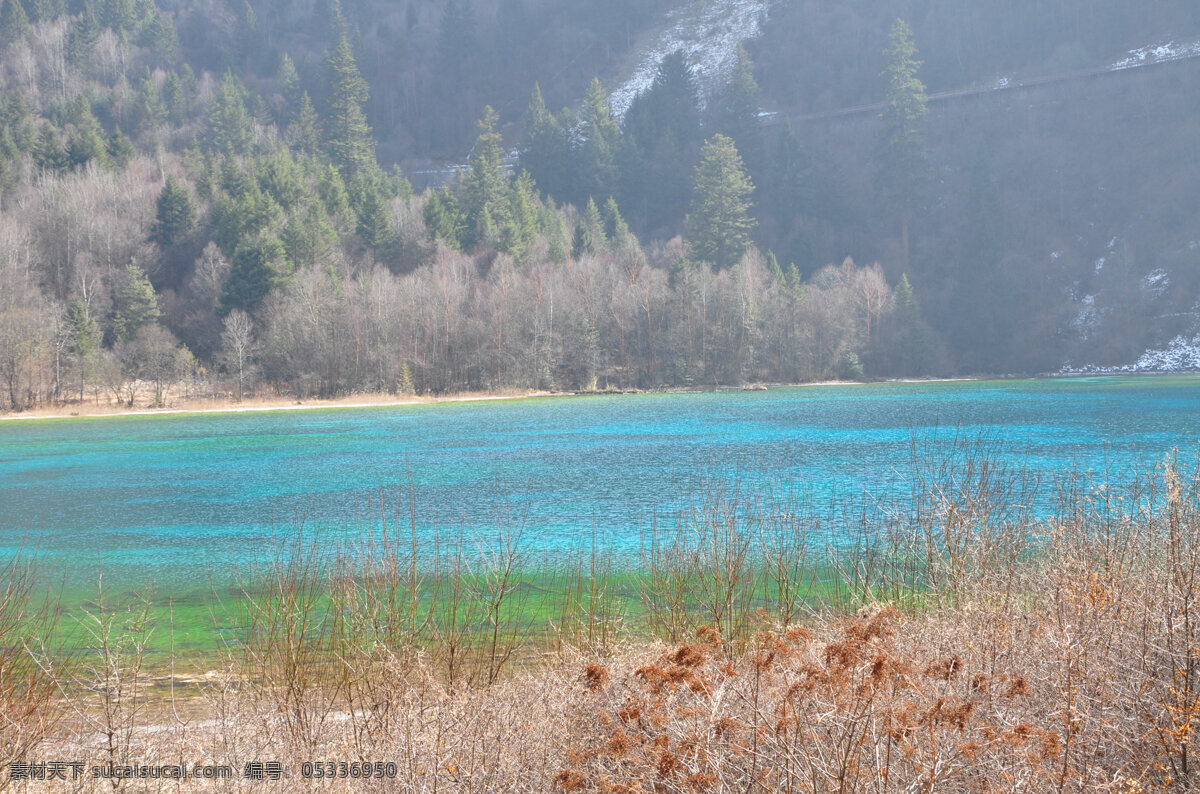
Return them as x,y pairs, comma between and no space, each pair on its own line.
222,406
202,406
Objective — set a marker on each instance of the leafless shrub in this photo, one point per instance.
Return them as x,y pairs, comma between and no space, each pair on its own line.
291,643
30,663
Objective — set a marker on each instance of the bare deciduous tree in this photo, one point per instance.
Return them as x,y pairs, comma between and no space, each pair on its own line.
239,347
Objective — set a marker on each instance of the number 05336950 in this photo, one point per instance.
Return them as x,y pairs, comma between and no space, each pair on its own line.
331,770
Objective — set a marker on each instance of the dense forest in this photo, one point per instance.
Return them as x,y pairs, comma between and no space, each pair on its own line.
217,197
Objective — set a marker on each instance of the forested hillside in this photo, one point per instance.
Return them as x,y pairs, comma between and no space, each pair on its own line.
215,197
1054,224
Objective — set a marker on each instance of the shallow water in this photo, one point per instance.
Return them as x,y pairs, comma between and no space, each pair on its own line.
177,499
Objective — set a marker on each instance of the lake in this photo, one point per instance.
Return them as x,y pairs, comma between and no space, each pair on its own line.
176,499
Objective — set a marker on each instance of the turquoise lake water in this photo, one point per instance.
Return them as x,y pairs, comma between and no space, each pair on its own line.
175,499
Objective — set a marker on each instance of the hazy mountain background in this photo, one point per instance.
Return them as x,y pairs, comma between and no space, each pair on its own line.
166,167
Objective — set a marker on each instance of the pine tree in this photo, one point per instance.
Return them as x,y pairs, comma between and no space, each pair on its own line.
9,164
774,269
906,305
735,110
256,211
720,221
160,37
581,242
120,149
287,79
86,143
134,303
349,135
44,10
615,227
230,129
247,38
233,179
39,11
118,15
175,215
552,224
14,22
444,218
18,117
307,237
143,12
85,32
331,189
241,217
85,340
48,151
370,208
659,147
282,178
486,186
543,148
330,19
259,111
304,131
187,81
598,139
85,138
148,108
589,232
405,383
903,164
257,267
8,149
174,99
675,99
396,185
208,180
911,347
522,228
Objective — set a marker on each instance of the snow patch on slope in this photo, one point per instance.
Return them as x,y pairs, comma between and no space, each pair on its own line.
1156,53
1180,355
1156,281
708,32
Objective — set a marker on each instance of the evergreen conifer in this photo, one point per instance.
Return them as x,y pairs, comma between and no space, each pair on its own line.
720,222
